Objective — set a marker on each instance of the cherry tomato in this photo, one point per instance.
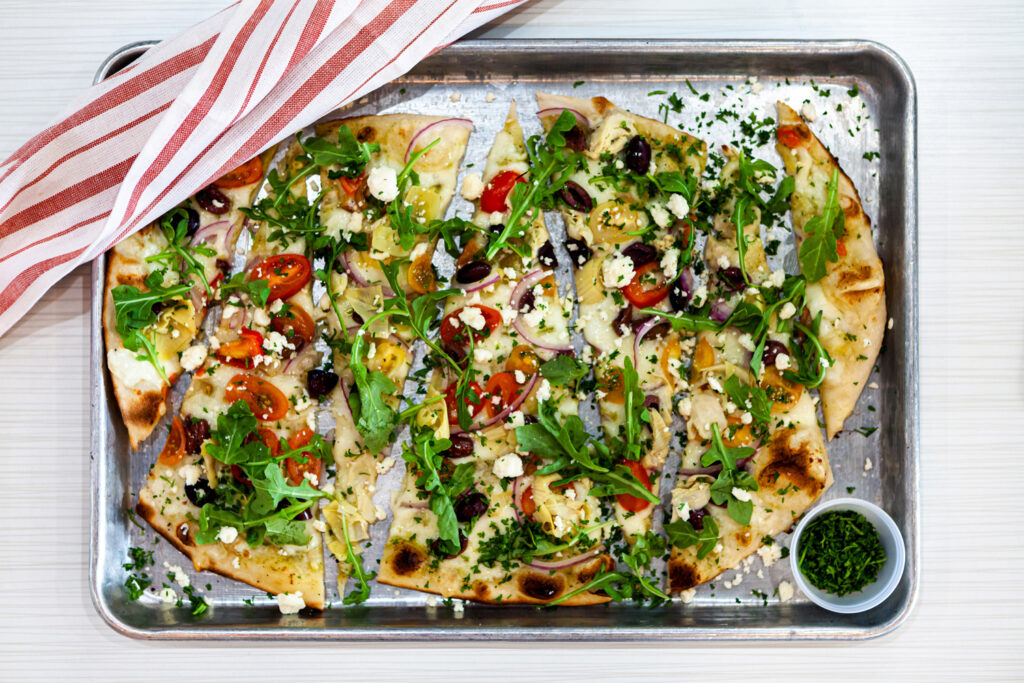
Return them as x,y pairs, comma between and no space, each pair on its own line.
523,359
740,433
451,401
297,470
527,503
790,136
174,447
840,248
239,474
495,195
640,291
502,385
241,352
452,326
352,185
295,324
287,274
614,387
421,275
270,440
248,173
632,503
264,399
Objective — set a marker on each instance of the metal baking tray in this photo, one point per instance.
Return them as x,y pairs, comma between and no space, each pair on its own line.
478,79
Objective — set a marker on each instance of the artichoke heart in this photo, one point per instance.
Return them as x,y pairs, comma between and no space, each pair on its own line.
174,329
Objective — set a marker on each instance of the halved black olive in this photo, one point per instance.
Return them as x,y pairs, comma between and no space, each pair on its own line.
213,200
638,155
576,197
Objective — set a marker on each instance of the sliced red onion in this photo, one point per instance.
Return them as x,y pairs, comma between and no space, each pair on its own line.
520,485
557,111
229,237
461,123
516,300
477,286
648,325
360,278
567,562
210,233
524,391
720,310
237,318
391,337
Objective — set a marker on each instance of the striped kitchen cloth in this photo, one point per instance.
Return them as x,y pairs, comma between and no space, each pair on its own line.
192,108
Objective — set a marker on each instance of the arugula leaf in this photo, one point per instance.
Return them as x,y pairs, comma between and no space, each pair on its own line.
180,253
638,559
563,370
634,412
137,580
558,438
278,488
674,182
742,216
355,563
812,360
731,477
681,534
620,481
257,290
133,308
821,235
233,426
751,398
348,153
605,580
374,418
684,321
424,454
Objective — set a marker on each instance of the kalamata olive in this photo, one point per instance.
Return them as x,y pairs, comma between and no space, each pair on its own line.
530,419
732,277
474,271
576,139
772,349
622,320
697,518
640,254
638,155
497,228
527,301
576,197
679,294
193,221
224,267
462,446
578,250
197,430
320,382
213,200
437,549
199,493
357,319
546,255
471,505
652,402
304,515
457,353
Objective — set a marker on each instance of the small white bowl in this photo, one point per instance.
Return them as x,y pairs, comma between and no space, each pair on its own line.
888,576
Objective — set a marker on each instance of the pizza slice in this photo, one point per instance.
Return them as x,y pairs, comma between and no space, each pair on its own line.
755,458
159,284
236,487
485,512
381,222
846,284
628,214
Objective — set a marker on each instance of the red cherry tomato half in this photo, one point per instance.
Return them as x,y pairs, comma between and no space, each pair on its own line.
840,248
174,447
790,136
632,503
646,289
495,195
270,440
286,273
453,328
295,324
475,406
352,185
248,173
241,352
527,502
297,470
503,386
265,400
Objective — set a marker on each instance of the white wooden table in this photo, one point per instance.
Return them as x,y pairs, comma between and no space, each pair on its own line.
968,62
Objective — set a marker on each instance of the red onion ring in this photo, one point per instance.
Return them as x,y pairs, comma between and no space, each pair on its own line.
567,562
480,284
557,111
360,278
391,337
461,123
720,310
516,299
209,233
648,325
509,409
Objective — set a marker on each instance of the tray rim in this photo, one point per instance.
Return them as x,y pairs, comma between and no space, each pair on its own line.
485,634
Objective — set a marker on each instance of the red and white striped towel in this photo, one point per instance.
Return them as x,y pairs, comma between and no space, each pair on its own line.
192,108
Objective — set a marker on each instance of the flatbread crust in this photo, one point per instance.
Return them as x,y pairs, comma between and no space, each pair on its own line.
143,403
851,296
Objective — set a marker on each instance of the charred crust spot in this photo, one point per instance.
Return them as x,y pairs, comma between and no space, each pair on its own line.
793,464
849,277
602,104
148,409
366,134
407,560
590,570
184,534
744,537
850,207
481,591
541,586
681,576
133,279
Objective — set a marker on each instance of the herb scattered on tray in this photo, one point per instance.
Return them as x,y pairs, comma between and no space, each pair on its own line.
840,552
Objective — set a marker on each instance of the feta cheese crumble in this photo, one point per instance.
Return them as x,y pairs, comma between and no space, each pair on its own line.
290,603
383,183
808,111
193,357
677,204
472,187
617,272
227,534
508,466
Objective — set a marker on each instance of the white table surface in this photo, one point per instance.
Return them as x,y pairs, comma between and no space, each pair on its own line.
967,58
